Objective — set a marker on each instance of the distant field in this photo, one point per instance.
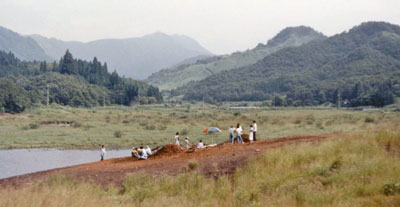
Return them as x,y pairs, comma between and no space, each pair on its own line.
64,127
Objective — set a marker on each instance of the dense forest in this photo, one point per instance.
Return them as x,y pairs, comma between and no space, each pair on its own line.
355,68
172,78
70,82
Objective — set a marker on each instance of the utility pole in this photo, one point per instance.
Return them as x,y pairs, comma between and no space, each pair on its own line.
138,95
273,99
104,99
203,101
47,95
338,98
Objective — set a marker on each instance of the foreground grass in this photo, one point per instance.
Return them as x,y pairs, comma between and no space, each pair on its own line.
64,127
354,170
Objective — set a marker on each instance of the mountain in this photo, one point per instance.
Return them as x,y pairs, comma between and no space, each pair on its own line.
24,48
358,67
174,77
132,57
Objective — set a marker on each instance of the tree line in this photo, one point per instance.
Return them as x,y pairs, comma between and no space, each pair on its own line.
71,81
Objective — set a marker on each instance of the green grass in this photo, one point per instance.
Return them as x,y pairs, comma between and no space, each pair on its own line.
351,170
126,127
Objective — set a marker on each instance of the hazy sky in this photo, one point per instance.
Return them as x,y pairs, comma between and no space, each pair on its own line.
222,26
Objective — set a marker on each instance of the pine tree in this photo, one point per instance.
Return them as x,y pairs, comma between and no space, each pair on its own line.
68,65
43,67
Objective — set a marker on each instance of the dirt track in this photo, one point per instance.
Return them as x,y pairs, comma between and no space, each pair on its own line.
113,171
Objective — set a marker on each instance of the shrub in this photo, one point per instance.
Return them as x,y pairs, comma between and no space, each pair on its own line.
184,132
162,127
329,123
192,166
77,124
319,125
391,189
33,126
236,113
117,134
125,121
150,127
369,120
336,165
310,117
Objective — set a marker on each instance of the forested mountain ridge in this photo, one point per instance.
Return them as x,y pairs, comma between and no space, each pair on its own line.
23,47
174,77
358,67
72,82
133,57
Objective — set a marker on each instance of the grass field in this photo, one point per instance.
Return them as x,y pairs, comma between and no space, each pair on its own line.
64,127
350,170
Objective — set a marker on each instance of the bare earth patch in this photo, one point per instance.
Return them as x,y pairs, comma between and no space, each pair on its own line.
212,162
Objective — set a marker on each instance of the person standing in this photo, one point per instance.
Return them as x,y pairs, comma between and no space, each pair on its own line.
251,133
239,131
177,139
186,143
231,134
103,152
255,130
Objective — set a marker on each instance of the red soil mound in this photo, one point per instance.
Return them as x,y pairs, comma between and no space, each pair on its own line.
169,150
245,138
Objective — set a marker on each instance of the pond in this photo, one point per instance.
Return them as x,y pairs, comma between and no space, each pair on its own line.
22,161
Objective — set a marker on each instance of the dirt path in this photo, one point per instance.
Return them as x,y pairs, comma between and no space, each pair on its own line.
113,171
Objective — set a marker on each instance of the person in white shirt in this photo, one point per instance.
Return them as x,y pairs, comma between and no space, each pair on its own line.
142,153
177,139
239,131
200,144
231,134
102,153
148,150
186,143
251,133
255,130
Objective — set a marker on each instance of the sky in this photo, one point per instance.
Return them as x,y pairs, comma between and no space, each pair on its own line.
221,26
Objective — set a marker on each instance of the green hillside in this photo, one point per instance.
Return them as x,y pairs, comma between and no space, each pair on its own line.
71,82
172,78
358,67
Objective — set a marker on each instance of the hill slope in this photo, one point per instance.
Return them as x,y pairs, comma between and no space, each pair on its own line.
362,65
133,57
175,77
24,48
72,82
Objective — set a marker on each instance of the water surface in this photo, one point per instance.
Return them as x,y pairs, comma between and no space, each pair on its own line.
22,161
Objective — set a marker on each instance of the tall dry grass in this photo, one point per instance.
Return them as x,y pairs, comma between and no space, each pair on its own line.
344,171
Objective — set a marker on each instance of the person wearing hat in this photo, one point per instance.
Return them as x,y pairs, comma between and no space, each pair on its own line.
186,143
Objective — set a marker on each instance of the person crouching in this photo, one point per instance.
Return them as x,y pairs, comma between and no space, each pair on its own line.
142,153
134,152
